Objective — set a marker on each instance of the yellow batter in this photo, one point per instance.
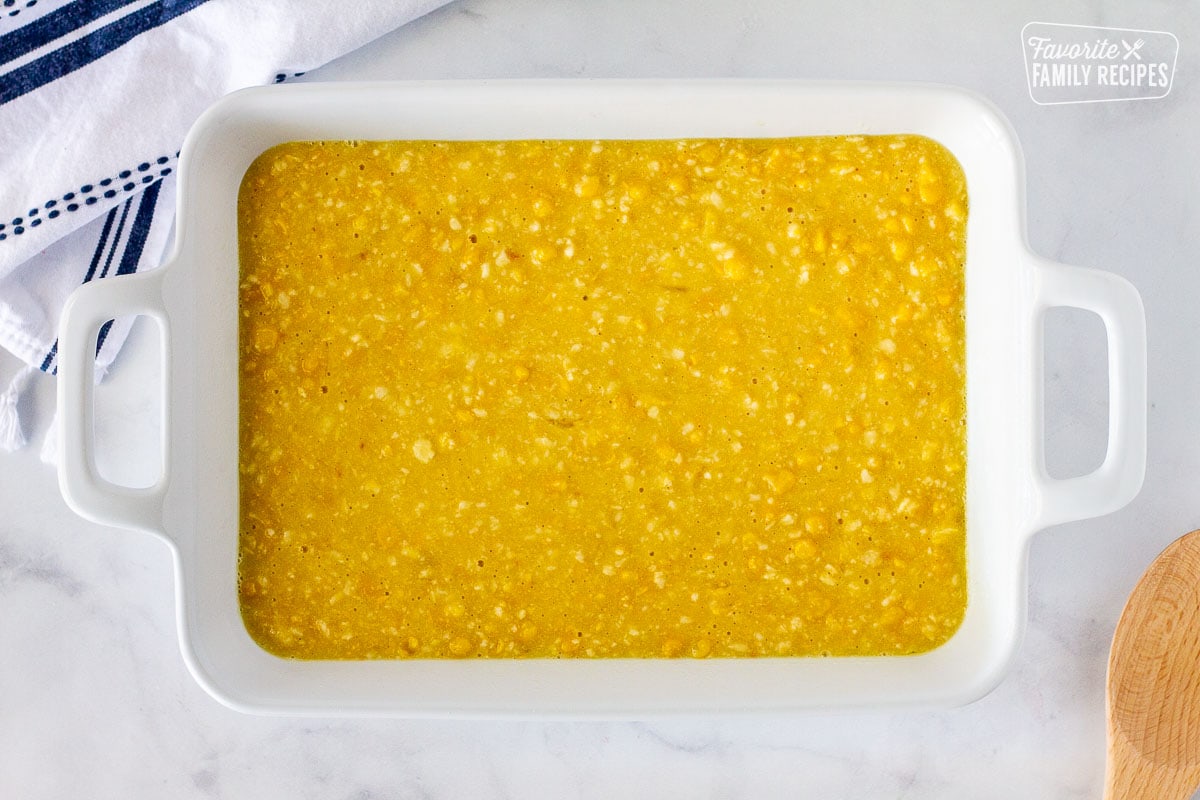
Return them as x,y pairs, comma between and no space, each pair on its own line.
602,399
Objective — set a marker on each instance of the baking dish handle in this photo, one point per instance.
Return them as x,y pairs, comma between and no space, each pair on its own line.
86,492
1119,478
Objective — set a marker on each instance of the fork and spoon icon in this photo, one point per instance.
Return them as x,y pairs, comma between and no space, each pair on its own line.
1132,49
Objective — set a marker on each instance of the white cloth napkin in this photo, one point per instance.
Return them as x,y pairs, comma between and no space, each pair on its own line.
95,99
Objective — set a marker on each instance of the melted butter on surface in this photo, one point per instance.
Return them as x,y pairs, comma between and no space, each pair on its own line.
602,399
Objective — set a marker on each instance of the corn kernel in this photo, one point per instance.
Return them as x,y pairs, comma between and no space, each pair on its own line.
265,339
804,549
734,268
816,524
780,482
461,647
587,186
929,190
819,241
422,449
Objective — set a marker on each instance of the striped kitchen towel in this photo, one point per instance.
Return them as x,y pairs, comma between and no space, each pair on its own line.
95,99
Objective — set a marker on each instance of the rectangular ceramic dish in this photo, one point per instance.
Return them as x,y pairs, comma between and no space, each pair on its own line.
194,507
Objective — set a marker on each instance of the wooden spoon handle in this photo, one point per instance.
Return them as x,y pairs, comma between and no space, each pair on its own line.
1130,777
1154,682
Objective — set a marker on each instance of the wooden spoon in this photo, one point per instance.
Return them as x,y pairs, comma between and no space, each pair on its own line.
1154,682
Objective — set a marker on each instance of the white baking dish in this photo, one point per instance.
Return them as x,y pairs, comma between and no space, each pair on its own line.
194,507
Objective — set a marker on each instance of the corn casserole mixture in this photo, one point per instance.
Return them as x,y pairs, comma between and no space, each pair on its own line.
693,398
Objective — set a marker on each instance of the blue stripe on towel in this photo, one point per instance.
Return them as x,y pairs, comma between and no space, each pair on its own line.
92,47
135,245
108,263
108,222
45,367
58,23
104,329
140,230
112,251
48,363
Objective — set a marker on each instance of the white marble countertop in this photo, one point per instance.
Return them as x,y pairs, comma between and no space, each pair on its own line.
95,700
